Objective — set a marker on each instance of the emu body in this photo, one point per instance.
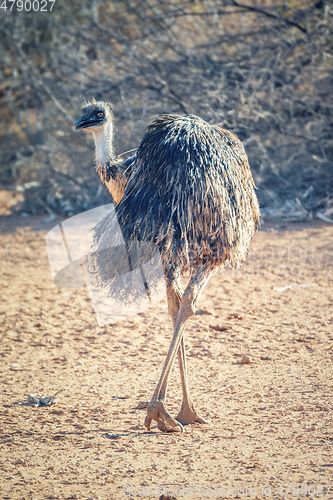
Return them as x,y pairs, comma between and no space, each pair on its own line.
189,190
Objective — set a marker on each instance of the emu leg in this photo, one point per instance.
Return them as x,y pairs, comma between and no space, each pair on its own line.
175,292
188,413
156,409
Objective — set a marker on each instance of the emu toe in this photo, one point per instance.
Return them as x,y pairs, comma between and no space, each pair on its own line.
157,411
188,416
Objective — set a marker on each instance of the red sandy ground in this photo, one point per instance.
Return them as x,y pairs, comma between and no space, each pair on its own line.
271,419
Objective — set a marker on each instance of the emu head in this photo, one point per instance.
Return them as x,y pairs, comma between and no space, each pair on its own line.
97,114
98,119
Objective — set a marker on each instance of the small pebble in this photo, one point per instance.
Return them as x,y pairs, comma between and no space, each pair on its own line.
246,359
21,461
220,328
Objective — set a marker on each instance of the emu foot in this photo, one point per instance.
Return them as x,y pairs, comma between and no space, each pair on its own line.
157,411
190,415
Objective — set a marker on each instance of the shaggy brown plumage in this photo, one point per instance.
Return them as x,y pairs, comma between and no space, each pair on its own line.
191,193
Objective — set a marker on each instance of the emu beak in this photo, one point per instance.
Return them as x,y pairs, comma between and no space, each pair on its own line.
86,121
81,122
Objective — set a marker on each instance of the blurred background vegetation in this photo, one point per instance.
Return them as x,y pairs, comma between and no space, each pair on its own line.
260,68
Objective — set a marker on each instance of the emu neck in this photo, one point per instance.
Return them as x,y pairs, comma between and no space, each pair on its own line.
103,144
107,165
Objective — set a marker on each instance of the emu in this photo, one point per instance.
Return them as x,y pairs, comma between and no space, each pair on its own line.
189,190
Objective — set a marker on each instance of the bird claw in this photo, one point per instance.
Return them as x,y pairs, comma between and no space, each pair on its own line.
147,423
156,411
189,416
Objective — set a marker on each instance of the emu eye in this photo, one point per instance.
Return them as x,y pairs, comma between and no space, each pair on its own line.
100,114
